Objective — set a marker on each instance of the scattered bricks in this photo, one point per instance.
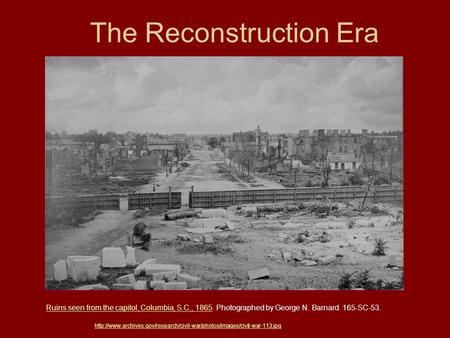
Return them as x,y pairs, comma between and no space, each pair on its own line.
131,256
191,281
140,285
60,270
113,258
175,286
298,256
327,259
119,286
207,239
157,285
150,269
127,279
308,262
83,268
141,267
396,260
259,273
182,237
92,287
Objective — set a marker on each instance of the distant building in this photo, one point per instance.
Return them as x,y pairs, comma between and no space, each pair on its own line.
343,161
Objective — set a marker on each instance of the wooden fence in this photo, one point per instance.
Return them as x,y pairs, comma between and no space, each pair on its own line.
213,199
80,205
155,201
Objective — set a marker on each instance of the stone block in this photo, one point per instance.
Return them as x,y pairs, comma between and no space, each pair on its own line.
119,286
259,273
141,267
175,286
150,269
60,270
113,258
168,276
158,276
298,256
127,279
157,285
141,285
130,258
83,268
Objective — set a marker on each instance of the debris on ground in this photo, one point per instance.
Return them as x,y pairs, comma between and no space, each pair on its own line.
305,244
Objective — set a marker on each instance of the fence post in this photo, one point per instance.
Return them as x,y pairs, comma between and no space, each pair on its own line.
170,197
374,195
335,199
274,197
234,198
354,193
212,200
191,197
295,196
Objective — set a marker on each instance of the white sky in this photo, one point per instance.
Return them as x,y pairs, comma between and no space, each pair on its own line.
223,94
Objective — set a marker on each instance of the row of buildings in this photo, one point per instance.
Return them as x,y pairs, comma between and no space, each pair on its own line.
341,149
95,154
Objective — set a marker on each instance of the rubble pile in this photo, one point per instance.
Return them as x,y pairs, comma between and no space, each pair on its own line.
149,275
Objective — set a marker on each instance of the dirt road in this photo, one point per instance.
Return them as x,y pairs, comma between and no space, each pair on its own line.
106,229
207,171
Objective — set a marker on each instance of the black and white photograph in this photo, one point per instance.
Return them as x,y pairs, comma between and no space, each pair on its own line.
224,173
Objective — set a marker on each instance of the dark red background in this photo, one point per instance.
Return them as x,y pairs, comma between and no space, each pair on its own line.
57,28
